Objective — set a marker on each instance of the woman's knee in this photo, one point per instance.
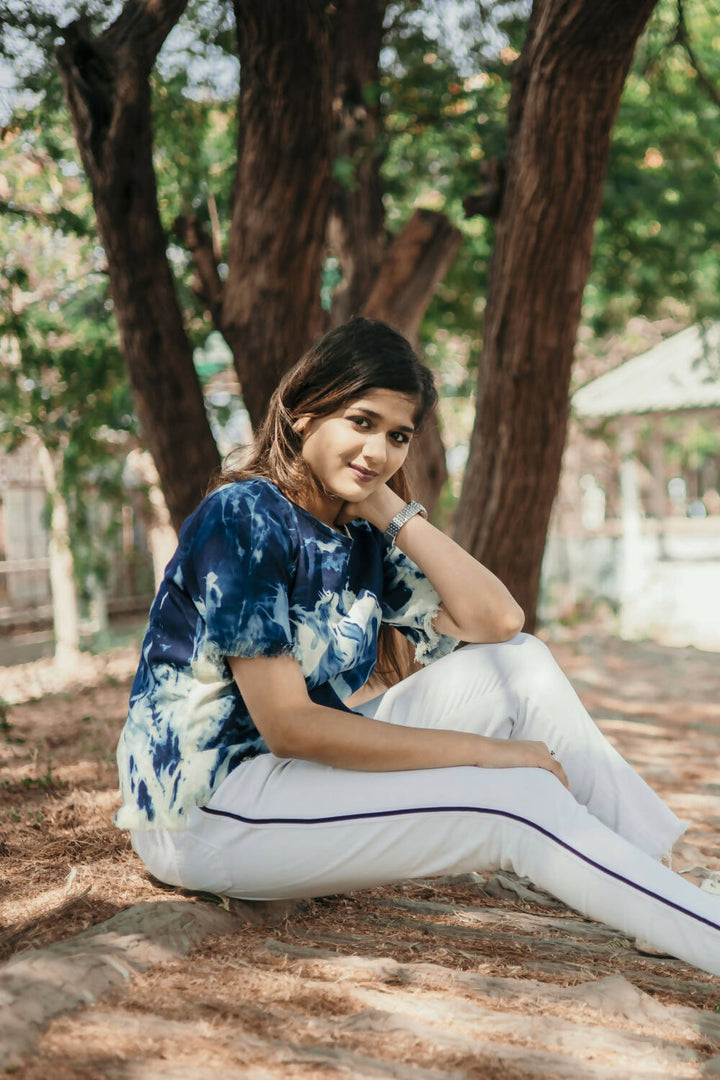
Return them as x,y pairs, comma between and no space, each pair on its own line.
522,649
524,663
529,808
544,799
521,794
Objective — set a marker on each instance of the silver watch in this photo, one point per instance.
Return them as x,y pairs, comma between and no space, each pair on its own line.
409,510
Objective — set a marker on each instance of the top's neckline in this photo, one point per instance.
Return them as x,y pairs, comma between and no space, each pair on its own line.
337,534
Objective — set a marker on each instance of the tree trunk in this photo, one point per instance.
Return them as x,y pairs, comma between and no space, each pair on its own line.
271,307
106,82
66,623
356,233
395,283
415,262
565,98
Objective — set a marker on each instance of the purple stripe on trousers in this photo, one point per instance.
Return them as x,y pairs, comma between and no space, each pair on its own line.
463,809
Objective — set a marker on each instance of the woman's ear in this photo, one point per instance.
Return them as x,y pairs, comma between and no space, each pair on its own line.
300,424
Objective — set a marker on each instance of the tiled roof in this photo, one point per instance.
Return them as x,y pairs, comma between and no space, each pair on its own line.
683,372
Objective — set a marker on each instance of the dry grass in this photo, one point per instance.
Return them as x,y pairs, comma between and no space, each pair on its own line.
64,866
57,798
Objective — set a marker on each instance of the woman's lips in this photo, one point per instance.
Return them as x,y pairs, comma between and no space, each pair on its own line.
363,475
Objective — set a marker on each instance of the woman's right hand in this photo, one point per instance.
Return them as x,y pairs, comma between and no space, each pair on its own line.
523,753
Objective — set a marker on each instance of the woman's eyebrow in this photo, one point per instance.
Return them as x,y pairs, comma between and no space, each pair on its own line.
376,416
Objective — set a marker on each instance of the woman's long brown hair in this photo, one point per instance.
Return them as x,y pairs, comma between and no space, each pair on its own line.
354,358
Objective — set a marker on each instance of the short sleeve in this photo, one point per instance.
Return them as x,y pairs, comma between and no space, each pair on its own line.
410,603
237,563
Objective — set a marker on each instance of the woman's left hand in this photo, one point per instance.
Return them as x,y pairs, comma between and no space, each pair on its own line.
379,508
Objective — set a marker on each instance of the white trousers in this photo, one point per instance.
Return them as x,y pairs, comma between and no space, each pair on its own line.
279,828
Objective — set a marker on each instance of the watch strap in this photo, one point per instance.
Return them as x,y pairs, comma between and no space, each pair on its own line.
402,517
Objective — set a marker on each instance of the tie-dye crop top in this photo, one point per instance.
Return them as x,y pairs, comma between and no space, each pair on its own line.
254,574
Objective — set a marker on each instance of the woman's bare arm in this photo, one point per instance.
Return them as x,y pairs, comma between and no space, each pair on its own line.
476,606
293,726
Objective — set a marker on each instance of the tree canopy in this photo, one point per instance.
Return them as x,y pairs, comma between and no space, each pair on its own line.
444,103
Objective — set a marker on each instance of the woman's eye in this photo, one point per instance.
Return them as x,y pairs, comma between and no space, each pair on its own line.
360,421
400,437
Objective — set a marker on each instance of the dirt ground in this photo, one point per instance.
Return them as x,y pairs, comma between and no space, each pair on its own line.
64,868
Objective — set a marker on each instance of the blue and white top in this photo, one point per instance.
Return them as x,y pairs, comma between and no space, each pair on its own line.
255,574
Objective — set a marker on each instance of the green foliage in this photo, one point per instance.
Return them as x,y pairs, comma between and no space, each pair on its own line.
195,122
689,445
659,227
5,725
658,231
195,145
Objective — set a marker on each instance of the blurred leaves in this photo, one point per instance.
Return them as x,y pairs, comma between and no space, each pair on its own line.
659,228
62,376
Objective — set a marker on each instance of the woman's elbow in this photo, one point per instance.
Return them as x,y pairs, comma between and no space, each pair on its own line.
277,736
287,736
503,626
278,745
513,622
283,744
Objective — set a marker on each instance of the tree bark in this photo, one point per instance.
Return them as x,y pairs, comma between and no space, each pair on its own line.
356,232
566,93
394,283
271,307
106,82
415,262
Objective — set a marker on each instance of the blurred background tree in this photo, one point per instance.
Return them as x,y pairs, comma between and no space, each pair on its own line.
63,387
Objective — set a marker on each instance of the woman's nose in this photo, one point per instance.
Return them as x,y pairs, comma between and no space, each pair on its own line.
375,449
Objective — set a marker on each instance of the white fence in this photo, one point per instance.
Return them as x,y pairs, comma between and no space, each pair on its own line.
665,581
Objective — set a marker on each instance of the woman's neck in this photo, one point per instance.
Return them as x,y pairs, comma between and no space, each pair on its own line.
324,507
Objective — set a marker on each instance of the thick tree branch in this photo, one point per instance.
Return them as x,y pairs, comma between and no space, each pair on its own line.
356,232
415,262
141,28
209,287
106,83
107,67
487,201
271,307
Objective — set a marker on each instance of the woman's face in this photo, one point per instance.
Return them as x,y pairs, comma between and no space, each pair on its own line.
356,449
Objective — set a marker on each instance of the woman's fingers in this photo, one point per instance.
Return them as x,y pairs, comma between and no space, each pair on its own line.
509,753
546,759
557,770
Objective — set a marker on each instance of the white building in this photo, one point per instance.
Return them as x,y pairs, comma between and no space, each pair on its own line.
644,531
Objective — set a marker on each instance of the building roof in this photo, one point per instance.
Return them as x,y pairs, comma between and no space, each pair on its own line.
682,372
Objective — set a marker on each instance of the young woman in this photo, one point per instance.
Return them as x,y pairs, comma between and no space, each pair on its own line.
255,761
